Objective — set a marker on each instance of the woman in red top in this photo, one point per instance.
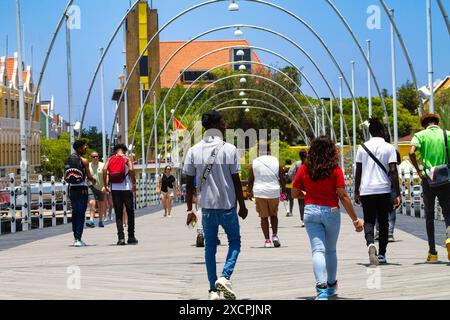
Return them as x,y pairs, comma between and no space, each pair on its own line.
321,182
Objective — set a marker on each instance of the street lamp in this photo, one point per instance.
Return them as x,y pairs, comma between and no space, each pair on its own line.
242,94
242,67
240,53
243,80
238,32
244,103
233,6
247,110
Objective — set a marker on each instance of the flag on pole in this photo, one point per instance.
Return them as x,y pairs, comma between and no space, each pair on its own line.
178,126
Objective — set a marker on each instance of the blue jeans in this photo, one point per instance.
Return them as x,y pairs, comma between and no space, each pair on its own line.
211,220
79,202
323,225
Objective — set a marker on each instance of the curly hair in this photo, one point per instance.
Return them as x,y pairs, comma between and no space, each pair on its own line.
322,159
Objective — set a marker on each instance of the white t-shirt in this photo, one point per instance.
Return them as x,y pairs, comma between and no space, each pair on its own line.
218,191
266,172
374,180
123,186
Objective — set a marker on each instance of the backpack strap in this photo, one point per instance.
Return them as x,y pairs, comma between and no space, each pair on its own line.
375,159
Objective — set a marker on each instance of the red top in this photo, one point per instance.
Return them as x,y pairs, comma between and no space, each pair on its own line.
321,192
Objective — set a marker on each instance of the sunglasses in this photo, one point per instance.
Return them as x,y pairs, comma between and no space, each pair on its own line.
94,157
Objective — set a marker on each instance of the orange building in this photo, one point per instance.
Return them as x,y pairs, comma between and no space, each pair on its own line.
195,50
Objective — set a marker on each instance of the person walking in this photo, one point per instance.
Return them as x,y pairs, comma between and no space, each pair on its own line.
119,172
216,165
290,177
321,182
430,147
288,201
392,213
96,195
265,180
76,171
167,188
375,179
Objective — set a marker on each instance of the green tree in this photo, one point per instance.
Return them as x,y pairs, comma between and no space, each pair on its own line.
442,106
407,96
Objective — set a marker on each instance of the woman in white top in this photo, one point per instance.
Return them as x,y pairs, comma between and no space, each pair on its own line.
266,179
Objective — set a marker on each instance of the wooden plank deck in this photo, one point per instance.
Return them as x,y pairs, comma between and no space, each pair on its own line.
167,265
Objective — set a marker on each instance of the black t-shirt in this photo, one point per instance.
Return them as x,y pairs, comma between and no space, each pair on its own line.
167,182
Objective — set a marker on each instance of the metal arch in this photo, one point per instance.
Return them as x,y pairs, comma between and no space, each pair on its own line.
228,27
256,1
377,86
248,90
102,57
256,48
44,67
281,112
405,53
278,55
221,79
444,15
294,121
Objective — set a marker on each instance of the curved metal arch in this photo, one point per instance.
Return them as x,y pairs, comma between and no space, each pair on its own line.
294,121
102,57
228,27
44,67
211,84
247,90
256,1
281,112
405,53
444,15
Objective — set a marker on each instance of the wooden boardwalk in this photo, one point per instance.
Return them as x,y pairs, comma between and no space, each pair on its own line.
167,265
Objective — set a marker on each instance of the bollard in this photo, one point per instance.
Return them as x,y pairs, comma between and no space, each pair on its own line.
148,190
403,193
411,194
65,201
422,204
53,191
41,202
12,202
144,196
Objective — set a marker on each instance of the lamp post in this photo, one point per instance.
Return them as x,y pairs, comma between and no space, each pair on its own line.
69,83
341,123
165,134
369,80
144,162
102,88
24,185
354,113
430,56
394,83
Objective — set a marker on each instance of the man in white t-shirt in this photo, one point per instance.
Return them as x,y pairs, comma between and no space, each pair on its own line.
376,176
265,179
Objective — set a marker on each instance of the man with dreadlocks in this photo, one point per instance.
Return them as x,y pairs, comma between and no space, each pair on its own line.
376,177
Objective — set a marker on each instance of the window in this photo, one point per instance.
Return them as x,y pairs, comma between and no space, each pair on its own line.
246,57
6,108
193,75
17,110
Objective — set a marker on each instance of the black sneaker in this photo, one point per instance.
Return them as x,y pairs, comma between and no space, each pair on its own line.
132,241
200,243
121,242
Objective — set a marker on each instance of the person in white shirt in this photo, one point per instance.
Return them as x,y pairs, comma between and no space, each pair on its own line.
265,180
376,177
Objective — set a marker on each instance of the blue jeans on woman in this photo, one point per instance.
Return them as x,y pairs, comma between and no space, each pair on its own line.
323,225
211,220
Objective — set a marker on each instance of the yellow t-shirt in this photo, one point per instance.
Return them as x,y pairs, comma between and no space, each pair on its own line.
97,173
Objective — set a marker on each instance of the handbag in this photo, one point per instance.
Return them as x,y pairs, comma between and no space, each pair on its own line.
440,175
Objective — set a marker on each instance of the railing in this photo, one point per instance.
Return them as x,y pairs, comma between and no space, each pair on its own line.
50,204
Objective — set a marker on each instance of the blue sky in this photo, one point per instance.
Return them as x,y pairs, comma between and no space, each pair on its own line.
99,18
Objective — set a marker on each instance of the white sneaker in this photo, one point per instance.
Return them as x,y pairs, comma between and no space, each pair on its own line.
224,285
276,241
268,244
214,295
77,244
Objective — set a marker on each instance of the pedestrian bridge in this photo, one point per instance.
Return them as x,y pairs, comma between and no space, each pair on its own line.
42,264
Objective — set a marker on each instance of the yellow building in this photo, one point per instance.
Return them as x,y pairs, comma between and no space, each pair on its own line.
9,120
